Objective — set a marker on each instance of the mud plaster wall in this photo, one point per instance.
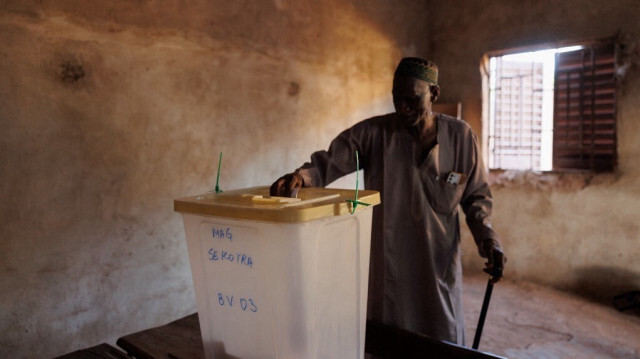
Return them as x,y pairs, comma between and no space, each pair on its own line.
569,231
110,110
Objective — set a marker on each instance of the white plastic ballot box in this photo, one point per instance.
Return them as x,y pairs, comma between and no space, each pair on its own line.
280,277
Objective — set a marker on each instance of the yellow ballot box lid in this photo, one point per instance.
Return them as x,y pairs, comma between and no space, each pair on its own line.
255,203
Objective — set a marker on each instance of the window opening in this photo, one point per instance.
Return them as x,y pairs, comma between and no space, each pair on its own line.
553,109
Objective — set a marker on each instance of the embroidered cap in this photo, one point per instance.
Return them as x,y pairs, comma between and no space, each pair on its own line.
419,68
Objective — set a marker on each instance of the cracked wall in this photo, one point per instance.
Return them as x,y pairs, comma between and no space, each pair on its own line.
110,110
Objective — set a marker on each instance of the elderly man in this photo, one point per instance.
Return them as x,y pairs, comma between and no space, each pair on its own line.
424,164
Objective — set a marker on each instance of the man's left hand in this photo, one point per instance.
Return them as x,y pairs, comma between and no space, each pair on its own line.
495,259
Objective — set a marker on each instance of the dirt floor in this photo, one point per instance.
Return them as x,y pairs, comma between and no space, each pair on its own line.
525,320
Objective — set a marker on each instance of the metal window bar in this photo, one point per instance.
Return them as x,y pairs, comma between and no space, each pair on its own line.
516,130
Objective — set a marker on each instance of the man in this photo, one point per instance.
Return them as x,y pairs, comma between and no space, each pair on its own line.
424,164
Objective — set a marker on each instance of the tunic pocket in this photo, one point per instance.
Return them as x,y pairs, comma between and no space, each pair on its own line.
444,196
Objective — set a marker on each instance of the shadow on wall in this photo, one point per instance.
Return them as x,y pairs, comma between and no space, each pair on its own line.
602,284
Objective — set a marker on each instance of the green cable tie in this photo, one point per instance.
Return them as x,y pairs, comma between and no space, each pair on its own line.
355,202
218,190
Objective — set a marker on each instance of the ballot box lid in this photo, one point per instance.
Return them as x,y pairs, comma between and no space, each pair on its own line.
311,203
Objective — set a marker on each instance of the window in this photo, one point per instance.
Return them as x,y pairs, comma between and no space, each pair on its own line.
553,109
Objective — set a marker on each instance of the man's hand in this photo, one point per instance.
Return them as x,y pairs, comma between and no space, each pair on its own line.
495,259
285,185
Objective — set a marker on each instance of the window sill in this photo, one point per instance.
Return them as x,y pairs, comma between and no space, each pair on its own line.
537,180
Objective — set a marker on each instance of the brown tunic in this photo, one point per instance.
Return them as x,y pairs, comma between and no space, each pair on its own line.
415,273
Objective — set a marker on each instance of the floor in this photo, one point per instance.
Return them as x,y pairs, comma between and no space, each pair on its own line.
525,320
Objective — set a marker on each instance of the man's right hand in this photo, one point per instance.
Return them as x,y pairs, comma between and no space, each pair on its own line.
286,184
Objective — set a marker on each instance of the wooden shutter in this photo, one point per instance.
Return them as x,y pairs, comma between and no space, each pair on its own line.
584,120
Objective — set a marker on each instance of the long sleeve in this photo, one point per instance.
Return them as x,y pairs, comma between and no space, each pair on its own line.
340,160
477,201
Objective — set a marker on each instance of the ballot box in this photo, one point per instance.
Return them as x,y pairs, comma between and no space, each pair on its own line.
280,277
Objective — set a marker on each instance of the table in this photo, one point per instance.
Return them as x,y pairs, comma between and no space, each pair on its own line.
101,351
181,339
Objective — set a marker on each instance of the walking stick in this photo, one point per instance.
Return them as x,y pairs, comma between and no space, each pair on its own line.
483,313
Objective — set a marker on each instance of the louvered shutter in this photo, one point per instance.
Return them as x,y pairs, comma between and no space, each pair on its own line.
584,124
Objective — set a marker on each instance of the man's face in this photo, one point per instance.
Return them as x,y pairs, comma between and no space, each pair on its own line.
411,99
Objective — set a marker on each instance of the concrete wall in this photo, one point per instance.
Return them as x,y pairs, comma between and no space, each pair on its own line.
577,232
109,110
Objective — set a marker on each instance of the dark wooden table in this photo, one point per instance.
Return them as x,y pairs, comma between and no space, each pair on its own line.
387,342
181,339
102,351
